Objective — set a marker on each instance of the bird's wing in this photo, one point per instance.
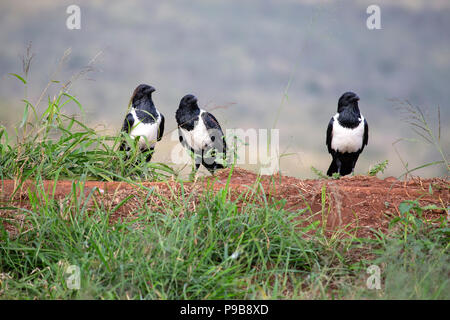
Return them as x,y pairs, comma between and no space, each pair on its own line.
330,134
126,127
366,133
128,123
211,123
161,127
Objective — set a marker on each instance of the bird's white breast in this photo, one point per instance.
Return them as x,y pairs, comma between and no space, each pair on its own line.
198,138
147,130
346,139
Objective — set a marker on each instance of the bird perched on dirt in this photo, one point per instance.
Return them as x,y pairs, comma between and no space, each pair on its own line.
347,134
143,121
200,132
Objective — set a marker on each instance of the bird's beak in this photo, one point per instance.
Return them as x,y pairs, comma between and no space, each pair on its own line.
356,98
152,89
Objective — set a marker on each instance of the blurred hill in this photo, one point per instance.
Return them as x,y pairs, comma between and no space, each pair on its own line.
240,55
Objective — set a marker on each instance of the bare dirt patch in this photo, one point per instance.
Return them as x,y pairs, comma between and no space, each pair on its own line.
359,203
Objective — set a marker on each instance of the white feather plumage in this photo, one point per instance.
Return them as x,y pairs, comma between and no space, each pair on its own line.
346,139
147,130
199,137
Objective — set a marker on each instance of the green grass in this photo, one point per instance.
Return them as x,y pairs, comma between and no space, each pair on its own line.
421,124
173,251
379,167
49,144
321,175
55,145
212,252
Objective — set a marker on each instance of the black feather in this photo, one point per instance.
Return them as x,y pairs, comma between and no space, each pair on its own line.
330,134
215,130
161,128
366,134
145,110
349,116
187,113
187,117
128,123
333,168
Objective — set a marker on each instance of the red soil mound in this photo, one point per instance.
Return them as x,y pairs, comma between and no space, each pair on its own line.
357,203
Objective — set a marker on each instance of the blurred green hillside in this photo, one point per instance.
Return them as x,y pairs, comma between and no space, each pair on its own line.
241,55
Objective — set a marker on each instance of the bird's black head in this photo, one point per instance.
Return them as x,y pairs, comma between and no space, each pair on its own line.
189,101
143,91
348,99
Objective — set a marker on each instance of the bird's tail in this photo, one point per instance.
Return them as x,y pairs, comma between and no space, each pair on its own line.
333,168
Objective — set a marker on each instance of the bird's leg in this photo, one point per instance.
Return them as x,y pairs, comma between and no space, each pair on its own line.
197,165
353,166
338,164
194,170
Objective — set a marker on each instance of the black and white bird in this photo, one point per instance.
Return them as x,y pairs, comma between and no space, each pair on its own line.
200,132
347,135
143,121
